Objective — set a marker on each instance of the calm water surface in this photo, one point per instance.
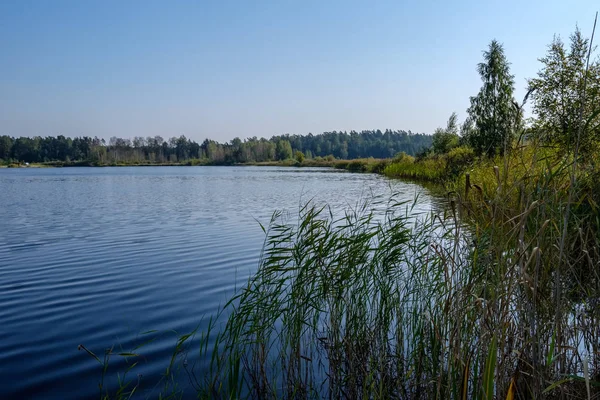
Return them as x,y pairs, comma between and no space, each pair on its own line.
97,256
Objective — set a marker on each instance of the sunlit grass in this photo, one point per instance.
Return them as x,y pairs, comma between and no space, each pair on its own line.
429,169
364,308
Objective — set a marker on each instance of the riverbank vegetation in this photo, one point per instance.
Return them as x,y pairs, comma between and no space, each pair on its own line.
497,296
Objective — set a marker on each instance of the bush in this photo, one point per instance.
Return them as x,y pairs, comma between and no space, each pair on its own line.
402,156
357,166
423,153
299,156
459,159
378,166
431,168
198,161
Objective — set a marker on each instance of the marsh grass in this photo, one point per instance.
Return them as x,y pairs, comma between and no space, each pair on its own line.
432,169
379,303
119,367
372,165
458,305
498,297
520,205
455,304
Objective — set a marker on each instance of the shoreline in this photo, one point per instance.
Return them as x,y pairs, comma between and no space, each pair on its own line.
338,164
90,165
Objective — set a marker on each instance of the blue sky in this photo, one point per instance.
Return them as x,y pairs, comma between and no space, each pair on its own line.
221,69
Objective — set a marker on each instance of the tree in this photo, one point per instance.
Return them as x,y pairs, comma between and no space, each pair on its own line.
299,156
181,149
6,144
492,110
26,149
445,139
557,93
284,150
139,142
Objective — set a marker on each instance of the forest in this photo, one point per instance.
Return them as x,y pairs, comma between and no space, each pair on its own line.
182,150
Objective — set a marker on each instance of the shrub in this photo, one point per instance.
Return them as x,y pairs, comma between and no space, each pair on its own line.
402,156
378,166
197,161
299,156
458,159
431,168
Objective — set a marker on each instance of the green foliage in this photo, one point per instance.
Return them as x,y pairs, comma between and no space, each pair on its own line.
299,156
377,166
180,150
557,94
426,169
6,144
362,165
458,159
363,307
284,150
446,139
400,156
492,110
353,145
495,295
197,161
446,162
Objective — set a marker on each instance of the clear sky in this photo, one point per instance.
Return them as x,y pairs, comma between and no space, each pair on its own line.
221,69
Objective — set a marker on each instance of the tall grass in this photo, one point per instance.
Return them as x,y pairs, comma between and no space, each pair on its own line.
373,165
431,169
437,168
458,304
496,297
455,304
392,307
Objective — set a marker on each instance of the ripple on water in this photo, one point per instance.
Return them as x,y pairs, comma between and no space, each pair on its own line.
97,256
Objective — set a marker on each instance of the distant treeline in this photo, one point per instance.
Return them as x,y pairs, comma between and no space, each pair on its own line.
341,145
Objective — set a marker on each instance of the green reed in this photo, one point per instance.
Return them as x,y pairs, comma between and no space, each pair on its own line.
396,307
459,303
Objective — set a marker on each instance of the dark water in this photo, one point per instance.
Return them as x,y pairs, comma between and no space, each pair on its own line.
97,256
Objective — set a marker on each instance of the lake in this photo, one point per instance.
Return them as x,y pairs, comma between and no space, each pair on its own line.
97,256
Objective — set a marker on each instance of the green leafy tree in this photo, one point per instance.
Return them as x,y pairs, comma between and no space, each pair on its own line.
6,144
557,93
492,110
180,149
445,139
284,150
26,149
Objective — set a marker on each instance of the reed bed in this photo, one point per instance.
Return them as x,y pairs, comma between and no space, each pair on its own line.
496,296
432,169
398,307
